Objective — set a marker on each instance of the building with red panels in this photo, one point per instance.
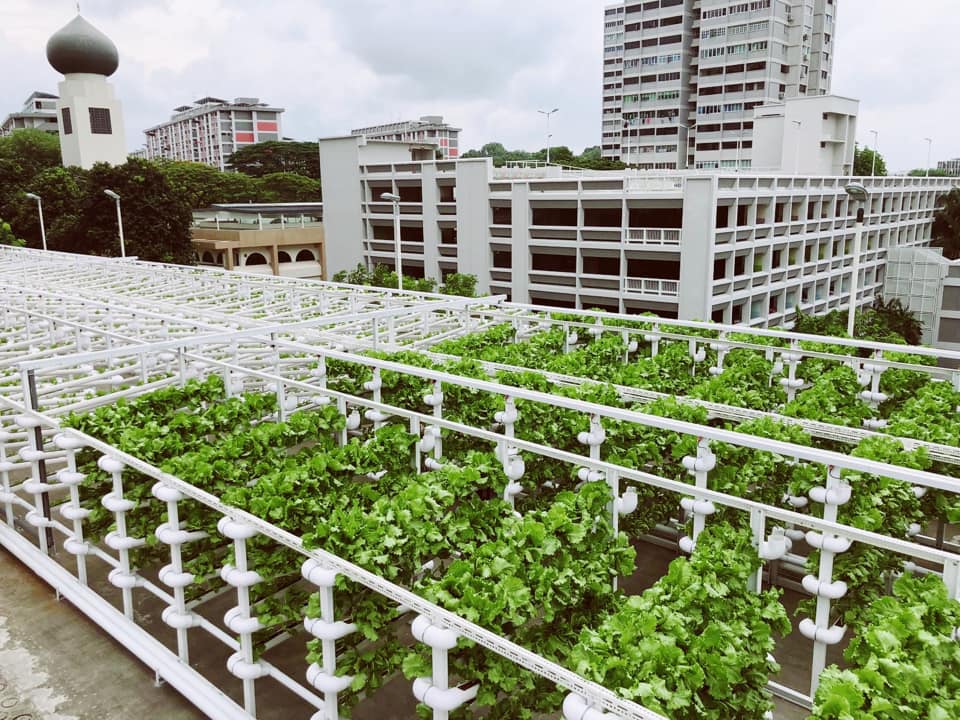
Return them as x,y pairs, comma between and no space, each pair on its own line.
209,130
428,130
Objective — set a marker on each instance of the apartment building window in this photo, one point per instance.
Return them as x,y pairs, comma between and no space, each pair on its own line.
667,77
503,259
739,265
554,263
711,52
719,268
502,215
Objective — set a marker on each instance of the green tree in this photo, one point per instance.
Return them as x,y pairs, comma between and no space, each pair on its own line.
932,172
23,154
946,224
7,237
863,165
60,190
289,187
156,220
265,158
460,284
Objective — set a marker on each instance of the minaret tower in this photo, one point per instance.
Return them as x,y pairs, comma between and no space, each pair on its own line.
91,121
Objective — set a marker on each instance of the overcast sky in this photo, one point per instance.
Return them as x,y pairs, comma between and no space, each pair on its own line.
485,65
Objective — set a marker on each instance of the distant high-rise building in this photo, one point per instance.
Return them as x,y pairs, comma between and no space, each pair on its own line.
91,119
39,112
209,130
681,78
428,130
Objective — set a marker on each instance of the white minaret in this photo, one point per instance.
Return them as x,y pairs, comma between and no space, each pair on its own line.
90,118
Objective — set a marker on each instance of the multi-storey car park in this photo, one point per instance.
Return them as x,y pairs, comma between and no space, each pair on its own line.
682,78
300,521
731,247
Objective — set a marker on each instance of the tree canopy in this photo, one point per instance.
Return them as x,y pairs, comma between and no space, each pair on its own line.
266,158
932,172
946,224
559,155
863,165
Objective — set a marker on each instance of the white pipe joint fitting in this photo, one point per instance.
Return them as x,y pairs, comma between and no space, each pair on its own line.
508,415
122,542
874,424
588,475
239,578
235,529
627,502
830,543
109,464
66,442
174,578
353,420
122,579
36,487
326,683
514,468
914,529
238,667
716,370
165,493
29,455
76,547
698,507
26,422
74,513
70,477
776,546
511,491
795,534
575,707
596,436
433,464
241,624
572,338
839,495
650,338
828,636
116,504
706,463
315,573
324,630
375,415
919,491
794,384
444,700
433,635
797,501
686,544
37,520
373,385
873,397
433,399
179,620
169,535
632,346
832,590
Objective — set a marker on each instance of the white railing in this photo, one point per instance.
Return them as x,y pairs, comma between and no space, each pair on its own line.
652,236
652,286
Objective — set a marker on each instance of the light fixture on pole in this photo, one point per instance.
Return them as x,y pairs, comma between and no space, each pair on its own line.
116,198
929,152
548,113
858,193
395,199
43,230
873,163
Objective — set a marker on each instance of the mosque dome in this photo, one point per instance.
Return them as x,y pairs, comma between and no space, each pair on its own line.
78,47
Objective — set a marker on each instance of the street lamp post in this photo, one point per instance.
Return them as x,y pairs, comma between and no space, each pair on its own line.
548,113
929,152
873,163
43,230
858,193
395,199
116,198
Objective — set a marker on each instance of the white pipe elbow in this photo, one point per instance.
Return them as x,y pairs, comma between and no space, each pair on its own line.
627,503
433,635
831,590
315,573
828,636
444,700
830,543
575,707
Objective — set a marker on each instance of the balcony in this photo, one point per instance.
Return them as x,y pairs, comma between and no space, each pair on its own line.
651,286
659,237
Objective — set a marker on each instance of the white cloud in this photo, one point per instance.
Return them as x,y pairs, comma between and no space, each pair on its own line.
485,65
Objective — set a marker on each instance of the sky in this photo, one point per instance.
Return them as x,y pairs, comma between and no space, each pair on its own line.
487,66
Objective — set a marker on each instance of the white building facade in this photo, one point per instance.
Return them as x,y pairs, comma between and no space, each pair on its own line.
682,78
731,247
428,130
39,112
211,129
